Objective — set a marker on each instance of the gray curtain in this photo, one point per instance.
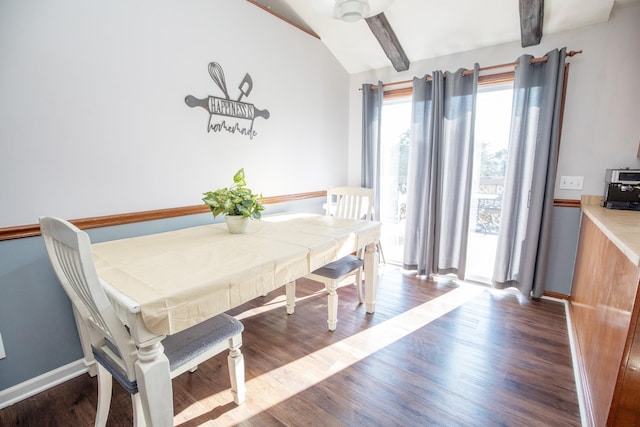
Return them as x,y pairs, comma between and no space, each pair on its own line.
440,172
525,224
372,99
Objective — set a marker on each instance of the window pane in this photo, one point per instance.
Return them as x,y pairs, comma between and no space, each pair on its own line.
394,150
493,117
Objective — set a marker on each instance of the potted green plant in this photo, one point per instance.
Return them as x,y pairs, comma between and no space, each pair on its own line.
238,203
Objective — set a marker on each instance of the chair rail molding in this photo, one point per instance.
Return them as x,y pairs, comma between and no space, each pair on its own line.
31,230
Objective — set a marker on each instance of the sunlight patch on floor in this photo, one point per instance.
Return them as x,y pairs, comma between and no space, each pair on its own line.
278,302
277,385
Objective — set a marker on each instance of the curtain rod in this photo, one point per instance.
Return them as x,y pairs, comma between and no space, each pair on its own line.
491,67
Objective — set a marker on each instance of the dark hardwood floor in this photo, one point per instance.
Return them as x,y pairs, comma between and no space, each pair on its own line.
433,354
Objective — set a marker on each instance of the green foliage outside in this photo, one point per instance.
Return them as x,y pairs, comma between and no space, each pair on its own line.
403,154
492,163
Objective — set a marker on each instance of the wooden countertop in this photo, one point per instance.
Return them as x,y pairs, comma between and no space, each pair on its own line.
620,226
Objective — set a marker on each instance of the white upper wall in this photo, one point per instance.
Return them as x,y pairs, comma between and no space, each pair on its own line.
601,127
92,114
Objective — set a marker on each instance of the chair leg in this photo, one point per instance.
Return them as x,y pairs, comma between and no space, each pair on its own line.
379,247
104,396
332,304
290,289
235,360
358,284
138,412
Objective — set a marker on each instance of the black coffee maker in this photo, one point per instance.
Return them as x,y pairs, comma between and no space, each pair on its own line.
622,189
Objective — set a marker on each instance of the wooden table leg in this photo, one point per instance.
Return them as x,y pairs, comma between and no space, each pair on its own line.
371,261
154,384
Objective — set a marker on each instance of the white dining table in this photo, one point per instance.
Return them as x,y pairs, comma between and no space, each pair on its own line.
164,283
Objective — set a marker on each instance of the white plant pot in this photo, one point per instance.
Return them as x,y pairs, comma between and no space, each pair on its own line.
237,224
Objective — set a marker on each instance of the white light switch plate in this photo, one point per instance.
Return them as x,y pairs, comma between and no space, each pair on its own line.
571,182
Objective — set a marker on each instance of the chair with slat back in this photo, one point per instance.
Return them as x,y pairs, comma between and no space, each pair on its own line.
70,254
350,202
354,203
342,202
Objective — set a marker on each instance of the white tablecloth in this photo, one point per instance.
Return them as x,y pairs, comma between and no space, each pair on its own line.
183,277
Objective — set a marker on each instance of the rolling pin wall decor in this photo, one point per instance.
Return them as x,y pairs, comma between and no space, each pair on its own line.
224,108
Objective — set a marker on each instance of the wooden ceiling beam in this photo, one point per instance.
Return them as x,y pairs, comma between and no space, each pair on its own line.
381,29
531,17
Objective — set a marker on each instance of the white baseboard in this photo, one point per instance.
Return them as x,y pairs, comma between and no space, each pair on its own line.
41,383
576,370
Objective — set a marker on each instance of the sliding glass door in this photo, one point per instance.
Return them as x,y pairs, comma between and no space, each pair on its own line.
395,137
493,116
491,139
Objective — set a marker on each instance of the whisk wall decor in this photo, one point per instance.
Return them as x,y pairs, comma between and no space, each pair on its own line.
226,108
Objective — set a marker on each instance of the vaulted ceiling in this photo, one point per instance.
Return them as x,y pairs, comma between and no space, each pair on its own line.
426,29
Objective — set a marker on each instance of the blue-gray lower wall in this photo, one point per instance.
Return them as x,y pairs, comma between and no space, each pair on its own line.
36,319
562,253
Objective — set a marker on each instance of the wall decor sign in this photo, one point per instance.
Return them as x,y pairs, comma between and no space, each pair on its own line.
224,108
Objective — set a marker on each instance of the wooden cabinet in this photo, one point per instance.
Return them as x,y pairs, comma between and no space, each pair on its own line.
604,307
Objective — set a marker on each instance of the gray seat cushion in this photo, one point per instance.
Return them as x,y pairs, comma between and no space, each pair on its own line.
340,267
187,344
179,348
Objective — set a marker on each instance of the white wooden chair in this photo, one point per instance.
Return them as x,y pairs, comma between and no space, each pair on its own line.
342,202
69,250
